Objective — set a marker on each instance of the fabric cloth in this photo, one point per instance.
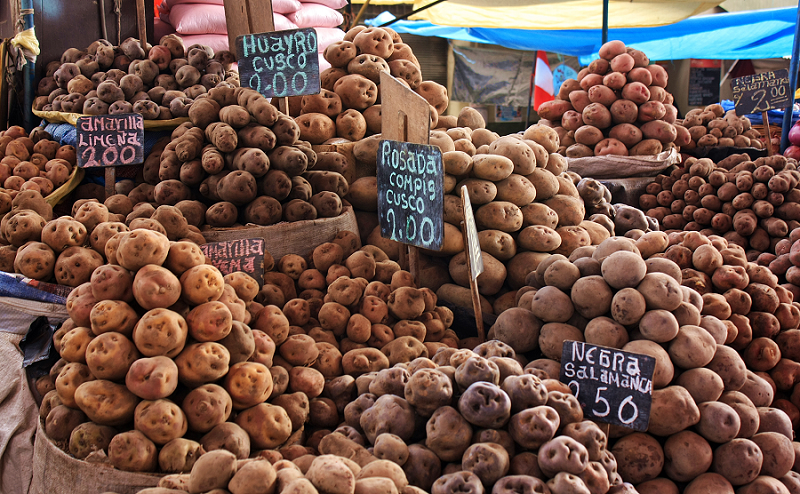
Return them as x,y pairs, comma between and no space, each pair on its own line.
752,34
543,86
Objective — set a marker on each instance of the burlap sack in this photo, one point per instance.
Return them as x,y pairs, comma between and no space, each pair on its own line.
17,407
56,472
623,166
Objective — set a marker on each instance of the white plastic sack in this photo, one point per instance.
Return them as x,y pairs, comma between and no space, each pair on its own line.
316,15
17,407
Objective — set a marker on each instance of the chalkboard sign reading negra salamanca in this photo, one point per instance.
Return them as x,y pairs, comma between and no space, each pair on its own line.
281,63
612,386
245,255
110,140
410,193
761,92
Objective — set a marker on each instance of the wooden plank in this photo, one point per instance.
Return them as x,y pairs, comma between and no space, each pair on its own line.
247,17
405,115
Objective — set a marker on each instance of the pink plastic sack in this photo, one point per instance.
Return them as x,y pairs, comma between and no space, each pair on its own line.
316,15
161,29
334,4
327,36
282,23
197,18
217,42
285,6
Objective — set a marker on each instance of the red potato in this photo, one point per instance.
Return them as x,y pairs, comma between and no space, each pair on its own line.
682,136
615,80
630,135
672,113
591,80
572,120
554,110
611,49
598,66
657,93
624,111
622,63
590,135
651,110
662,131
610,146
659,74
579,99
640,74
602,94
597,115
636,92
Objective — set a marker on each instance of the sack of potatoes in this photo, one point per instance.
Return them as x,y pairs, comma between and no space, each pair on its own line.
712,126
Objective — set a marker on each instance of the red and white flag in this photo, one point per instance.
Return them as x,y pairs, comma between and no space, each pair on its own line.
543,81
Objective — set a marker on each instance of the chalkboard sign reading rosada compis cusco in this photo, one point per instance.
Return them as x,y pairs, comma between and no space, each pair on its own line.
612,386
280,63
245,255
110,140
411,194
761,92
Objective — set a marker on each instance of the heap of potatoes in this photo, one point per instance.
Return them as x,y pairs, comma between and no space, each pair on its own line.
67,249
244,161
711,422
753,204
32,162
617,106
159,82
712,126
347,107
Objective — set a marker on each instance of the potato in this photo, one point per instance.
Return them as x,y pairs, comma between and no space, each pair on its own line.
160,332
88,437
268,426
639,457
106,403
227,436
213,470
739,461
110,355
152,378
141,247
179,456
160,420
131,451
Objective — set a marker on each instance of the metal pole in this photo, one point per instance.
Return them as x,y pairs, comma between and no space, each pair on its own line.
605,21
793,66
29,71
531,89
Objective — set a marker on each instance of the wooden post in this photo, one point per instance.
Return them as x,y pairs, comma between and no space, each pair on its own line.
765,118
111,179
141,23
247,17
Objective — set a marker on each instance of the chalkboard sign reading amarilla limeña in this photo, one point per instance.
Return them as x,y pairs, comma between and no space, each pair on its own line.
245,255
612,386
110,140
280,63
761,92
411,194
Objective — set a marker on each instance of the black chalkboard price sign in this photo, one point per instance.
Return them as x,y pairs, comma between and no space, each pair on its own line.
612,386
280,63
110,140
245,255
411,193
761,92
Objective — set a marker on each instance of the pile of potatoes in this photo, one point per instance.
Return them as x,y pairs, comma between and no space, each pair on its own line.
712,126
617,106
712,424
163,358
159,82
347,107
67,249
240,161
753,204
32,162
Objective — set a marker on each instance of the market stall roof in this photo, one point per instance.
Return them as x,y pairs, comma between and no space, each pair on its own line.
742,35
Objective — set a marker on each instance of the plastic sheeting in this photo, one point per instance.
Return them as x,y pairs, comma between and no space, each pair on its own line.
492,77
560,14
753,34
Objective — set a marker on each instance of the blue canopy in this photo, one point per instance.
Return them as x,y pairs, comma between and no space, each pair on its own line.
741,35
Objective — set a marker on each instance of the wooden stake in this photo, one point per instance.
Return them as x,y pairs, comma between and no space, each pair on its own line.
473,288
413,263
141,23
111,179
765,118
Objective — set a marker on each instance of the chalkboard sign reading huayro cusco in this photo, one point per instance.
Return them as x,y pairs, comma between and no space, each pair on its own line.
410,193
280,63
761,92
110,140
612,386
245,255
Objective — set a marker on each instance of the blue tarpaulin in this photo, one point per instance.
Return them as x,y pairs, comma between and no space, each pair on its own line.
741,35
